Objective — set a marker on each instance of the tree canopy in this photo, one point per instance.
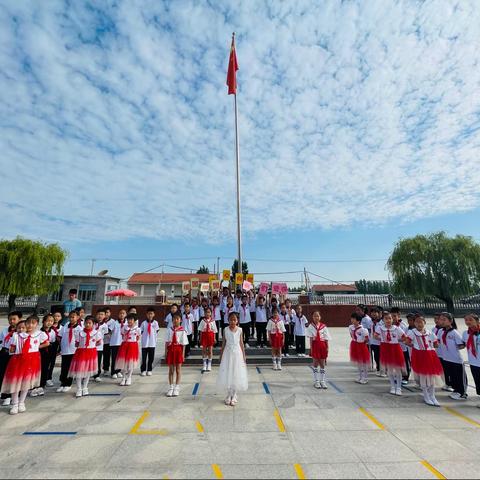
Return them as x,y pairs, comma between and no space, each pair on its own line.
29,267
235,268
373,286
436,265
203,269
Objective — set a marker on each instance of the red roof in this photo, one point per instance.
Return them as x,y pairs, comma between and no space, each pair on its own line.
157,278
334,288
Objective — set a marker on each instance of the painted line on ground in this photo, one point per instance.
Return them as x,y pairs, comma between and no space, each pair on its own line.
199,427
265,386
217,471
49,433
195,389
259,371
339,390
407,388
432,469
456,413
299,471
136,428
104,394
372,418
278,419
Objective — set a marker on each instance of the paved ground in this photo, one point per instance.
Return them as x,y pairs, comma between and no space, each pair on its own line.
281,428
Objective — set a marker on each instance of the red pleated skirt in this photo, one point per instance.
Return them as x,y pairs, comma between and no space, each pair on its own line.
359,354
426,363
84,363
23,373
318,350
391,356
128,356
207,339
175,354
276,340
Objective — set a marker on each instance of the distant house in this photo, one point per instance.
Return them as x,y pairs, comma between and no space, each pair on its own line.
338,289
151,284
91,290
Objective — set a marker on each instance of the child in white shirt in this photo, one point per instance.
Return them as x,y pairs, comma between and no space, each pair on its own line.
149,331
300,323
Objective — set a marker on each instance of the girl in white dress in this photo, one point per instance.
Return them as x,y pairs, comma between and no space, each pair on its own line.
232,374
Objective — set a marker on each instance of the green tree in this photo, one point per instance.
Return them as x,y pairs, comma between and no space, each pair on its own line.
235,268
436,265
29,267
375,287
203,269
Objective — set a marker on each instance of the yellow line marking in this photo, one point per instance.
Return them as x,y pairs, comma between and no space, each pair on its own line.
278,418
372,418
432,469
199,427
151,432
217,471
139,422
299,471
463,417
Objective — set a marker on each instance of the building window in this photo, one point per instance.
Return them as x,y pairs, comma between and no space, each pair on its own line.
87,293
57,296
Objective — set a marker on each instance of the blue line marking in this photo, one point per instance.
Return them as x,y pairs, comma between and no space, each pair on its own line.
258,370
104,395
335,387
267,390
195,389
49,433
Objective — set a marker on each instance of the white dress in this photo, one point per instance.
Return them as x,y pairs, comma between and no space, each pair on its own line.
232,373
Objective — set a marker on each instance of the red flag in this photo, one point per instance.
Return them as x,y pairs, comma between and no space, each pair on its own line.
232,69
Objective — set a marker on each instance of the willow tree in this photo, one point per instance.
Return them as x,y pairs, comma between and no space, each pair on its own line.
436,265
28,267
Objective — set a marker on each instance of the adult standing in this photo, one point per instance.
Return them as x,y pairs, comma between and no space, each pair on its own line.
71,304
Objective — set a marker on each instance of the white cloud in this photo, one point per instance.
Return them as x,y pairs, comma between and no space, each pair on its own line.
115,123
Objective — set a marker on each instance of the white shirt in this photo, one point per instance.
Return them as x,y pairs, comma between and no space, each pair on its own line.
81,338
36,339
237,302
371,331
195,311
3,335
226,312
244,312
427,343
323,332
261,314
404,327
168,320
149,341
449,348
367,322
181,335
253,305
216,315
52,336
275,327
205,325
101,331
359,334
300,324
67,347
106,337
285,317
131,335
187,323
472,359
396,334
115,328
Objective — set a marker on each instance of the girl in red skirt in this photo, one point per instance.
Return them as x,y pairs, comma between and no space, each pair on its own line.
24,369
175,342
207,329
425,362
391,354
85,361
276,336
129,352
319,338
359,353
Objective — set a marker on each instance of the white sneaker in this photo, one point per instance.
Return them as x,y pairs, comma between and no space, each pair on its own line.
363,382
114,376
358,380
128,382
123,382
323,384
247,345
404,382
274,366
209,366
50,383
85,392
79,393
98,380
435,401
176,391
40,392
120,375
393,390
149,374
14,409
34,392
228,400
398,392
170,391
287,354
21,408
457,396
279,367
60,389
8,401
67,389
428,402
378,374
143,374
317,385
446,388
234,401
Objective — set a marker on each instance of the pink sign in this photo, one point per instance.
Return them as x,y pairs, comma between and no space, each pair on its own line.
263,289
283,288
247,286
276,288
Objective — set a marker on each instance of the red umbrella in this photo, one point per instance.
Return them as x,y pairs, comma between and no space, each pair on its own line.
122,292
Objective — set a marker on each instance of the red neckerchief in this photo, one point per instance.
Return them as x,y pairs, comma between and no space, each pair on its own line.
444,336
70,333
355,336
149,328
174,336
208,321
424,341
472,333
26,345
9,335
318,328
389,336
87,339
276,322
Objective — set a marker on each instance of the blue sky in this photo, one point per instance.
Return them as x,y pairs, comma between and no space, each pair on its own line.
359,123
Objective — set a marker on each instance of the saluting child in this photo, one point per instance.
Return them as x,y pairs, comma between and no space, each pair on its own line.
47,355
471,338
149,329
319,340
129,353
374,342
300,323
217,317
359,353
245,320
175,341
115,328
285,317
276,336
67,350
6,336
207,329
397,320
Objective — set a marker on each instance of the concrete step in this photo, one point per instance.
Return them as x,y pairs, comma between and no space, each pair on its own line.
251,360
250,351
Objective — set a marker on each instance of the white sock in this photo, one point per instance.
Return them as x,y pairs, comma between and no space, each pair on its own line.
392,381
23,396
398,379
279,361
15,398
274,360
79,383
322,374
205,363
315,374
85,381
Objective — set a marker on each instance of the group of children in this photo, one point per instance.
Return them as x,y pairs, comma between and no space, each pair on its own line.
398,347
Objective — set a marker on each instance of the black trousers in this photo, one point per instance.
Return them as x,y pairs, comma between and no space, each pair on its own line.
286,343
291,332
252,324
261,334
106,357
476,377
406,356
4,359
446,374
65,380
187,347
114,352
246,332
148,355
219,324
99,359
45,363
300,343
375,352
457,375
195,333
53,350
